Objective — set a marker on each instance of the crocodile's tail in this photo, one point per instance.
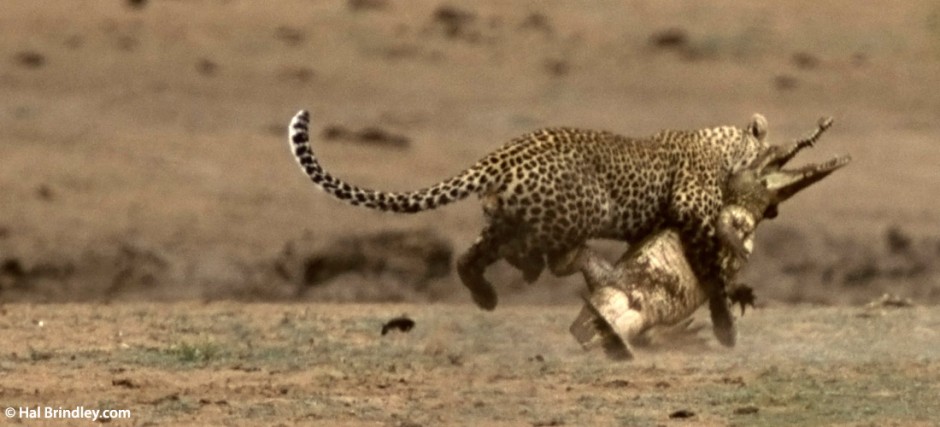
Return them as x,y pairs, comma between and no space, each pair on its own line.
445,192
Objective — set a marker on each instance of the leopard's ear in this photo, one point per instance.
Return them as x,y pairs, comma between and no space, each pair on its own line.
758,127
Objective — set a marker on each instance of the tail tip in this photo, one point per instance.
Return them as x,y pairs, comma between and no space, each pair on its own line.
302,116
299,122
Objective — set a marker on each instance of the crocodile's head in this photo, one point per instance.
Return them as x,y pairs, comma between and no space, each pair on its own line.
764,184
754,193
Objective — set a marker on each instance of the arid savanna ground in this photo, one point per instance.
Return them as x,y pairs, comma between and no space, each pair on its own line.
160,251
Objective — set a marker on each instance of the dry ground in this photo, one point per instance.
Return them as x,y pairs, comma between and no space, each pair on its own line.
143,158
320,364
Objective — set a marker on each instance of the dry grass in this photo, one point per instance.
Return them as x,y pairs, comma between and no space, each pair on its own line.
253,364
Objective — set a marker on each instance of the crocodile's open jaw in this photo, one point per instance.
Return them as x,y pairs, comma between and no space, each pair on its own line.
784,183
781,184
777,156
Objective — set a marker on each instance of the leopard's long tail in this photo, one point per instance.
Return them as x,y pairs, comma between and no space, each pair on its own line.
471,181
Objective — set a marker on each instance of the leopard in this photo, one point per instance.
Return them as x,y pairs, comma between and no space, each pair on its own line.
547,192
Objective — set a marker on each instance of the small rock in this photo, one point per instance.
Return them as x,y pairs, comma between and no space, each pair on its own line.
378,135
670,38
805,61
402,323
124,382
746,410
369,135
30,59
682,414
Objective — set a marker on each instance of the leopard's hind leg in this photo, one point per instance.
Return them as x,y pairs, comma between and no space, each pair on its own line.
472,264
497,241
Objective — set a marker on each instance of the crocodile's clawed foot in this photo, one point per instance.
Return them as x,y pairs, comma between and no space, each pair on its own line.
743,296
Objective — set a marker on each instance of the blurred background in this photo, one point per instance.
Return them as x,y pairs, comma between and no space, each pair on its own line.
143,151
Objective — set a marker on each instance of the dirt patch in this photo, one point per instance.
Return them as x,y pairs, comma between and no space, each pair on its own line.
259,364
